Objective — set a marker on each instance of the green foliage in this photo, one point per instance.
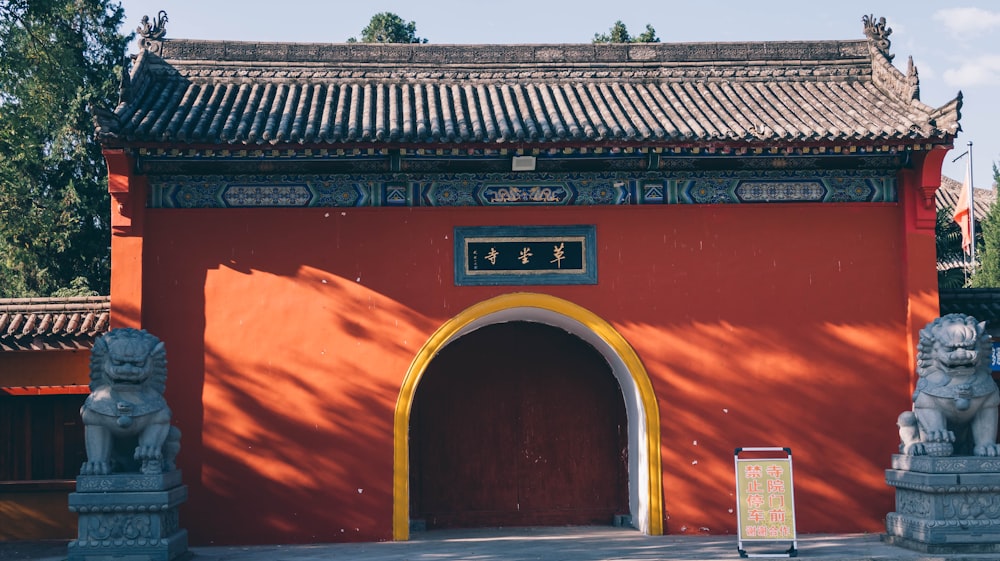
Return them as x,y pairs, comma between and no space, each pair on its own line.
619,34
648,36
77,287
58,60
987,273
950,256
387,27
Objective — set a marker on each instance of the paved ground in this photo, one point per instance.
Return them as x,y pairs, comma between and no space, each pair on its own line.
530,544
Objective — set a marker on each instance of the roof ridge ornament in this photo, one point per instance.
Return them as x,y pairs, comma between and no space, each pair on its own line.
125,82
913,79
153,31
878,34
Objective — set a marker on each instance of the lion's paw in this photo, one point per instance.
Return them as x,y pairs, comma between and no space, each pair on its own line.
95,468
987,450
914,449
940,436
143,453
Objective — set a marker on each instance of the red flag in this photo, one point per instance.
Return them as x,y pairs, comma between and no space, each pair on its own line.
963,215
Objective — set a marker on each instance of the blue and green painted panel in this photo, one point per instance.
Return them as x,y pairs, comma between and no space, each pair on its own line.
523,189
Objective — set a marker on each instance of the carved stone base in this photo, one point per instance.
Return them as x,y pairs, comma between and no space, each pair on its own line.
945,504
128,516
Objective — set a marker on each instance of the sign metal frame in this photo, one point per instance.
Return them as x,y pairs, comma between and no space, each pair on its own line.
765,500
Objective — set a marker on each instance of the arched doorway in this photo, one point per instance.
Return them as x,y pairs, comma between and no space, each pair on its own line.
644,475
518,424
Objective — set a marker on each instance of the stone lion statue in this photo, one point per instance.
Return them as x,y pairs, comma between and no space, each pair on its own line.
955,402
126,420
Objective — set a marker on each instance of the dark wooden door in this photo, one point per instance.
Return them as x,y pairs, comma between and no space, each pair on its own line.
518,424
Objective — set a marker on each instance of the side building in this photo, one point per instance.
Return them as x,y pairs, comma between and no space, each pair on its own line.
428,286
44,375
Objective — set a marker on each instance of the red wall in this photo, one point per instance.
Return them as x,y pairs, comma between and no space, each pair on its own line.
289,332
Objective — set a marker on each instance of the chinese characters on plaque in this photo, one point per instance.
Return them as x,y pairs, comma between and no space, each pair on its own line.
521,255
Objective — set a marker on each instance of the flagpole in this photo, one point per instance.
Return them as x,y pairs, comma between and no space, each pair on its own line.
966,205
972,212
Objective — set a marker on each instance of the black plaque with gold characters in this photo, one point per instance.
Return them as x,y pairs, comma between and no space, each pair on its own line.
525,255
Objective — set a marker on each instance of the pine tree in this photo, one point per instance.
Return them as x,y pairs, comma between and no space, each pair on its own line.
59,59
987,273
619,34
387,27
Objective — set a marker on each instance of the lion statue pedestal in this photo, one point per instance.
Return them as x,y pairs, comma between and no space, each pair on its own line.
947,474
129,489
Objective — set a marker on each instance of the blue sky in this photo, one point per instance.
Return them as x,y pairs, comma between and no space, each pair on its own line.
954,44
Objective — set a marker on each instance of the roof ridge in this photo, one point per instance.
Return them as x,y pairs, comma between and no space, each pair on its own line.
415,54
71,303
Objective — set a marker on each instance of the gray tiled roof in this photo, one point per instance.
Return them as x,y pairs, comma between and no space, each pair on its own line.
264,94
947,197
53,323
980,303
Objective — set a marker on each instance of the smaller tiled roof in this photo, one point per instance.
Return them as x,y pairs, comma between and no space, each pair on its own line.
946,198
38,324
949,192
980,303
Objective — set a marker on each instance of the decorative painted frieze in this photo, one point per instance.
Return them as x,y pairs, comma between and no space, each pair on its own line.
531,189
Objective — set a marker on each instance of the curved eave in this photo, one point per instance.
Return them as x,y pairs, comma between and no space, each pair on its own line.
947,116
471,148
904,89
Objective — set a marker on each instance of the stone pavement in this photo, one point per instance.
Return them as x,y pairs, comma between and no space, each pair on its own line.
531,544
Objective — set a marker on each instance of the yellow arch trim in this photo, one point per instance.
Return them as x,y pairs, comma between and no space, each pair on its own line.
444,334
